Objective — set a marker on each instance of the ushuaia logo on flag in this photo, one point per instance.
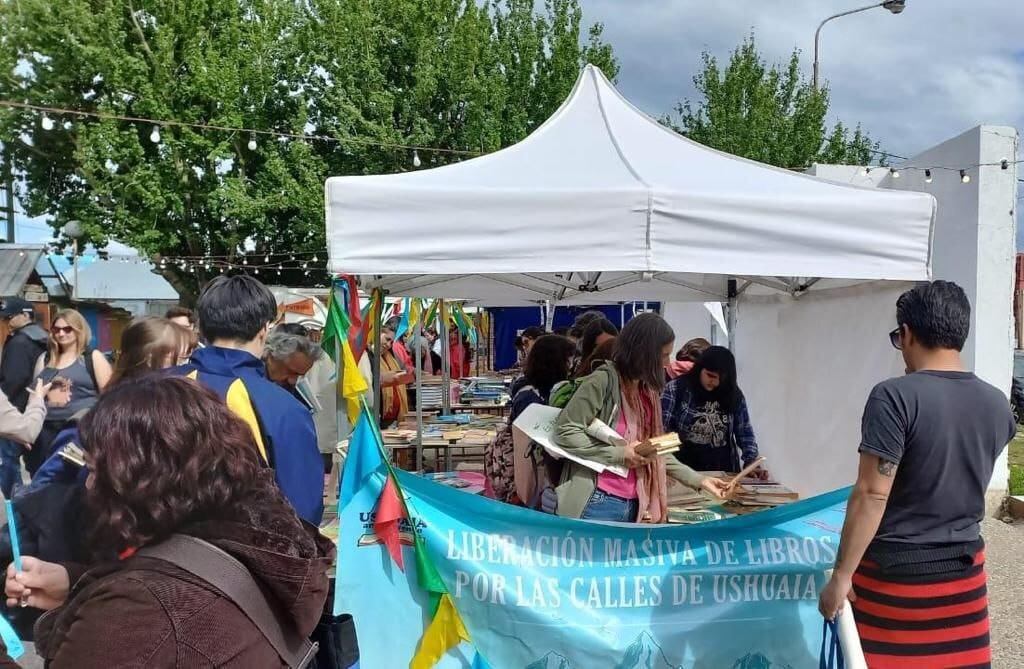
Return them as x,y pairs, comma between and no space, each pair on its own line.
406,535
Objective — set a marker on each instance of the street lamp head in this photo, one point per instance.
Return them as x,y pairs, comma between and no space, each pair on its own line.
895,6
73,229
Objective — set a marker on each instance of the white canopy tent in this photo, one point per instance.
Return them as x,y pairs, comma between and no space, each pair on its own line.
602,204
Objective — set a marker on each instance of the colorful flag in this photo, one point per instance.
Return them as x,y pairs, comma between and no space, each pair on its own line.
335,339
385,524
428,320
415,313
403,323
445,632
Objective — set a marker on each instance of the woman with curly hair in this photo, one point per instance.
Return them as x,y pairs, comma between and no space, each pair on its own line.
167,457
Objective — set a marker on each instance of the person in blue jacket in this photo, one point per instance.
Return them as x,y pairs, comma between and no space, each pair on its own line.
235,314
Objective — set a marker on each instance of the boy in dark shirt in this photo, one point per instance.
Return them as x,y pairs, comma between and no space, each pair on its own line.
911,560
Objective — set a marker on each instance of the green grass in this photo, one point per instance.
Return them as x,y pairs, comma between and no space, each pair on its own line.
1017,464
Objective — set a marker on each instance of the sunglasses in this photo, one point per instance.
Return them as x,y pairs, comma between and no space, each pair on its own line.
895,338
64,330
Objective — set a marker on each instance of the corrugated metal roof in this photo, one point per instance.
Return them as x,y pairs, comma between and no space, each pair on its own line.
16,264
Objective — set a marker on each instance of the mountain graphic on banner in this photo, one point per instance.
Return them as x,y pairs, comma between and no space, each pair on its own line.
757,661
551,660
645,653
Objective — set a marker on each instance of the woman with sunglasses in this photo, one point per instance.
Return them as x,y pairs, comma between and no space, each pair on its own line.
84,371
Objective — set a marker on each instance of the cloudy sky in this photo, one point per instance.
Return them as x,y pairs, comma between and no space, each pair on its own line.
913,80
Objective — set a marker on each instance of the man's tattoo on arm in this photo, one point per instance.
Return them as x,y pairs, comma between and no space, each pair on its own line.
886,468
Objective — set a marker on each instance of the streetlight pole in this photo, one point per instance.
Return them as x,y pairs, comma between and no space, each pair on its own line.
894,6
73,229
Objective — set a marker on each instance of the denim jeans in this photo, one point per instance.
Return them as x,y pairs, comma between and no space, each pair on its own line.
10,467
603,506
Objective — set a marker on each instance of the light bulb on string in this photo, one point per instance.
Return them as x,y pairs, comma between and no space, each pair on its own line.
316,258
155,135
257,270
305,265
1004,164
266,259
68,125
47,122
245,261
965,177
866,171
894,172
416,162
252,142
927,176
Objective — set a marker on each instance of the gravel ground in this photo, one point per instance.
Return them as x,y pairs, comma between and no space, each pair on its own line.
1005,591
1005,587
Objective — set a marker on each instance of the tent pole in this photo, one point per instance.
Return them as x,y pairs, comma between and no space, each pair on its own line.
419,396
476,349
446,361
731,315
377,314
622,314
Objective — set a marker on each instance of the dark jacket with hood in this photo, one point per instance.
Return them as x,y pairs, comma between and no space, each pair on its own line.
144,612
18,366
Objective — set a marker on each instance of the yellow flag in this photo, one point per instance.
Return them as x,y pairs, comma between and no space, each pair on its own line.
353,385
415,311
444,633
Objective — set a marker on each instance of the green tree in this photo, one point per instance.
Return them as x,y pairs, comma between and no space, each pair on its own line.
372,74
767,113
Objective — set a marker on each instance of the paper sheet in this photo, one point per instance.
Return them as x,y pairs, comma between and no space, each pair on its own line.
537,423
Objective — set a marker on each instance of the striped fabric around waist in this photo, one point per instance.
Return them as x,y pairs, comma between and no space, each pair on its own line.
936,624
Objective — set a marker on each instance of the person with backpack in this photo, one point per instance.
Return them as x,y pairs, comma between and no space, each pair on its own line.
624,395
547,364
85,370
24,345
198,559
235,315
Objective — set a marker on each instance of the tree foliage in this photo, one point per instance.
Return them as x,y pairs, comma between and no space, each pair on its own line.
767,113
451,74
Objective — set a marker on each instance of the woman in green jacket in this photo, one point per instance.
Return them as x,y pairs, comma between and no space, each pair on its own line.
625,395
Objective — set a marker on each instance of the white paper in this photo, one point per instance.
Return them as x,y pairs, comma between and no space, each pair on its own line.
537,423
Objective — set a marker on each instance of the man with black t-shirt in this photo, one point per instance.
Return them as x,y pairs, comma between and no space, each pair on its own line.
912,560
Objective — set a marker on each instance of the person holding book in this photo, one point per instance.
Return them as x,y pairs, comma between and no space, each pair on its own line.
708,411
623,394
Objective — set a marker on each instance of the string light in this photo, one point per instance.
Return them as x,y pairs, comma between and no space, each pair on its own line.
266,259
1004,164
316,258
894,172
252,142
867,170
965,177
927,176
416,162
155,135
47,122
252,132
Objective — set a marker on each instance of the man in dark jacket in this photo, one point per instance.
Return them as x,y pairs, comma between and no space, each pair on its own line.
235,314
17,367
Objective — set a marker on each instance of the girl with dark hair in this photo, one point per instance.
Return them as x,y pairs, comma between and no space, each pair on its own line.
707,409
167,458
624,396
596,333
547,365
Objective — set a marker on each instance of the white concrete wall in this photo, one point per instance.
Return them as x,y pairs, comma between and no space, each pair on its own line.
974,240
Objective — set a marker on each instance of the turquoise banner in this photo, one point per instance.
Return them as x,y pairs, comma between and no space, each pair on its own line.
536,591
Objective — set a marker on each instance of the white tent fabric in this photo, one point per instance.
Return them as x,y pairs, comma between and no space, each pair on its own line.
604,204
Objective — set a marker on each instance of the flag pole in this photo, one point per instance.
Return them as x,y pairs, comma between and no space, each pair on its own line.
419,395
376,314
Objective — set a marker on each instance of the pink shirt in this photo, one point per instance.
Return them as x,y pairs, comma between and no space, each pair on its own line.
613,484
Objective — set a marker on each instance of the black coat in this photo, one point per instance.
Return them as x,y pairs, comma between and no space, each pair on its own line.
18,366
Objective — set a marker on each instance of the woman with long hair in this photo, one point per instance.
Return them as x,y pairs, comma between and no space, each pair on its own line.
709,412
84,371
547,364
624,396
169,461
147,345
150,344
394,380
